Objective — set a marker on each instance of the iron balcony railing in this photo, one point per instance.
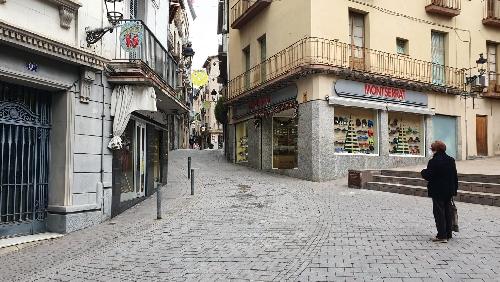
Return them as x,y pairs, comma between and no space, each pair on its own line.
450,4
492,9
151,52
324,54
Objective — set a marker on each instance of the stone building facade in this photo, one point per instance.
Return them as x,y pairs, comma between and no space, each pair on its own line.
334,89
71,154
206,127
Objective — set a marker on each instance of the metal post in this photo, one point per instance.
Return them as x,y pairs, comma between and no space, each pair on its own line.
189,167
192,182
158,202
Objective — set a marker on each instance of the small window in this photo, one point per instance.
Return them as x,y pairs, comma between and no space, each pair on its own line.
133,9
402,46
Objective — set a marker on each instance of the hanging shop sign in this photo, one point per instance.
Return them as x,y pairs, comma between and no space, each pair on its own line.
374,92
131,36
199,78
267,101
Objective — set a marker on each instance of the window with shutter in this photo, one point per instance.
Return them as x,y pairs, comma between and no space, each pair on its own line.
438,57
133,9
492,63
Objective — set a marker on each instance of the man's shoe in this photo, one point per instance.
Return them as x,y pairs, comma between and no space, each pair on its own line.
439,240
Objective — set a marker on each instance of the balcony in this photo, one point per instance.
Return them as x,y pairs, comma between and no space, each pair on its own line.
492,13
244,10
317,55
144,61
447,8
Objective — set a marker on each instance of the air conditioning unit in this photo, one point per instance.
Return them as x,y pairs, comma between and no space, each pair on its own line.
479,84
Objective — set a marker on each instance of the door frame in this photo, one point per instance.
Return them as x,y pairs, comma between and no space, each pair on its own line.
485,117
140,152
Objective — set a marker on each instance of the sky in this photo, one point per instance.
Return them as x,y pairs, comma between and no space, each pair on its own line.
203,31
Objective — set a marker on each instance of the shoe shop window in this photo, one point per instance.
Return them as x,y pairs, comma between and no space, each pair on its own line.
241,142
355,131
406,134
285,140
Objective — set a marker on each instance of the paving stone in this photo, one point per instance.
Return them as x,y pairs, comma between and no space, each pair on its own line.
246,225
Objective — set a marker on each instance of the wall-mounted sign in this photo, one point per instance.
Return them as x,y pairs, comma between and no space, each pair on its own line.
373,92
259,103
131,36
32,66
385,92
266,101
199,78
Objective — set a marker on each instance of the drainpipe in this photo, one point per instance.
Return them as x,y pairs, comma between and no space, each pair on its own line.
102,140
261,157
102,128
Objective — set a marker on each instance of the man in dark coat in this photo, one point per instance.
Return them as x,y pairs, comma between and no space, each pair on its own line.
441,174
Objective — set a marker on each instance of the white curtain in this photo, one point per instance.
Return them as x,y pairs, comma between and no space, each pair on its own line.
126,99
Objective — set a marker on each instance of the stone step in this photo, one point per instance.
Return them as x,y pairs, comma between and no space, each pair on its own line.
462,196
481,178
491,188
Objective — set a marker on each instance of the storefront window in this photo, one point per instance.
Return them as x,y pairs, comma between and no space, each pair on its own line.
406,134
285,142
356,131
241,142
126,158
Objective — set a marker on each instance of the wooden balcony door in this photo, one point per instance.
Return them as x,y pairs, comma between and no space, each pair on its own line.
482,135
246,61
438,57
357,38
263,57
492,66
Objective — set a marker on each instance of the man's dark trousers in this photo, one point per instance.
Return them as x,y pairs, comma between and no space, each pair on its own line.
442,216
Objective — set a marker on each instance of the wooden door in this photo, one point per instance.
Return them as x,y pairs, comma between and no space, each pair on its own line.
482,135
357,38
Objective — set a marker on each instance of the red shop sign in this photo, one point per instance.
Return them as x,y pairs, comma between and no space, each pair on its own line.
259,103
385,92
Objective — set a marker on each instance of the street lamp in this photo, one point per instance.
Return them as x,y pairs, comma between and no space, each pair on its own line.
187,50
476,85
114,17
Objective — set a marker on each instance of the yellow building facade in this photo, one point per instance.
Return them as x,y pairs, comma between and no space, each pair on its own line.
319,87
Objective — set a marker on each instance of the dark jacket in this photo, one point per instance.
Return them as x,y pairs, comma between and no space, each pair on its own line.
441,174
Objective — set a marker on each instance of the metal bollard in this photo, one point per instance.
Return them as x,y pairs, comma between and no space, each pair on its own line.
189,167
192,182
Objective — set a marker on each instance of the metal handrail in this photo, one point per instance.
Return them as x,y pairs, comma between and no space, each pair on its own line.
451,4
152,52
316,52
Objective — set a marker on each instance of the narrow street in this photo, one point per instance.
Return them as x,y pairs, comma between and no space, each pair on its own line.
244,224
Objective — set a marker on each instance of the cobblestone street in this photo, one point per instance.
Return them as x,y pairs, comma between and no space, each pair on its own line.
243,224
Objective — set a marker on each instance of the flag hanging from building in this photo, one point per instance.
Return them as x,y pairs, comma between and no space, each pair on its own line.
191,8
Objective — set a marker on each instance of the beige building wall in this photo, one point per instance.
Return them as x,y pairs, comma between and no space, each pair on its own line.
285,22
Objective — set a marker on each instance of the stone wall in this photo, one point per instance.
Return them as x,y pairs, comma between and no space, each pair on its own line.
316,158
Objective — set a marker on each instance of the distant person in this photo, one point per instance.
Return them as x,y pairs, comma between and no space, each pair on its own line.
441,174
191,143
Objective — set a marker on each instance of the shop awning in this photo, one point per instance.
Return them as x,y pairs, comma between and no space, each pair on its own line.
126,99
379,106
